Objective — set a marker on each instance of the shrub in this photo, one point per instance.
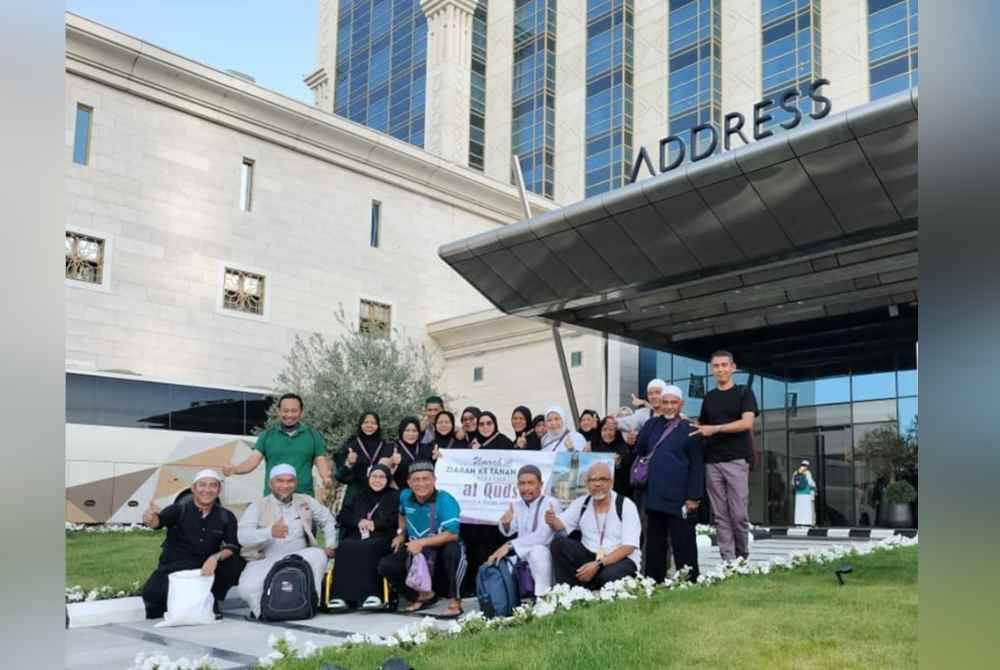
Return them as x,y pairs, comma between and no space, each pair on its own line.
900,493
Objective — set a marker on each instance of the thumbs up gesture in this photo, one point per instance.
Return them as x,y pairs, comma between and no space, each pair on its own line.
397,458
568,443
352,457
279,530
151,517
552,519
436,453
521,442
474,444
508,516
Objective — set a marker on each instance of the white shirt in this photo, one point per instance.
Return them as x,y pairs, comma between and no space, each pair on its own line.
557,442
524,521
250,535
616,533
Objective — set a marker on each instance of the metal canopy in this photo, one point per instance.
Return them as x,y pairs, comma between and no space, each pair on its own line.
789,251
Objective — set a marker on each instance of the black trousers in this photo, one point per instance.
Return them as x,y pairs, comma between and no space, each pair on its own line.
568,555
480,541
449,570
663,532
154,593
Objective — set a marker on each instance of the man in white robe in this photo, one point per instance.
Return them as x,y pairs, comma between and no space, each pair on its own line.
526,519
278,525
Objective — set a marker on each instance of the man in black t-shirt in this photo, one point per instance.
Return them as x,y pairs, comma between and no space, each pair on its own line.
725,422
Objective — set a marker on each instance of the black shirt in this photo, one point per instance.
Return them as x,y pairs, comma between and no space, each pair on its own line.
721,407
191,536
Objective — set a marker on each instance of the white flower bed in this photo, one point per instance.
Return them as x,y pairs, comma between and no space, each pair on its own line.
564,597
163,662
106,528
77,594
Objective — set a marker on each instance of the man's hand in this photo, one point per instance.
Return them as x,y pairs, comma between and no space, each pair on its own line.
587,571
151,517
279,530
415,546
704,431
508,516
552,519
397,542
631,437
692,505
330,552
209,566
352,458
499,554
228,470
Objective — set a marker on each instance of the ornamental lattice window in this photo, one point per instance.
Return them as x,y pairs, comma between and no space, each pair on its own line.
375,318
243,292
84,258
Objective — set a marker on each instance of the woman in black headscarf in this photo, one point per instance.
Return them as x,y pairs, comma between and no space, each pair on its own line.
609,440
359,453
405,451
444,437
367,525
524,436
538,428
468,430
490,436
588,426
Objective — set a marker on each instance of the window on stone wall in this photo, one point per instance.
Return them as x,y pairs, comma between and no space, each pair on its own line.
576,359
375,318
477,374
243,291
84,258
246,185
81,135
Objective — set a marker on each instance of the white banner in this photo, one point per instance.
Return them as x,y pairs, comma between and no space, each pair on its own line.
484,481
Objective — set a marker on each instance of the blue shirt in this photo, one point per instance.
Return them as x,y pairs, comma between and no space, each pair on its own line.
418,515
677,469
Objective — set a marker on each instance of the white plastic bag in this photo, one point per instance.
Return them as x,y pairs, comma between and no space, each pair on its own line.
189,599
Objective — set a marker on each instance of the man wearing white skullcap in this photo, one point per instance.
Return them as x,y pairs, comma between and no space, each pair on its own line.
201,533
673,486
279,524
635,422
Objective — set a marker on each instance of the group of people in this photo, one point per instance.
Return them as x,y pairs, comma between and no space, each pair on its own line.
631,520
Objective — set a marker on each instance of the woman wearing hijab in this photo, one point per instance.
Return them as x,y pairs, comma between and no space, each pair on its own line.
405,451
367,525
588,426
359,453
468,431
609,440
539,429
489,435
559,436
444,437
524,436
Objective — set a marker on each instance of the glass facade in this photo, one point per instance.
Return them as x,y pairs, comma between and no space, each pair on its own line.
695,81
610,35
477,95
381,66
843,425
791,53
892,46
533,107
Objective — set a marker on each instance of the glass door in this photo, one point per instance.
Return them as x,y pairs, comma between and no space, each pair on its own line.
828,450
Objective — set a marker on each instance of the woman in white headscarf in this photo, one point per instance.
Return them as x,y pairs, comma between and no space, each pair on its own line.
558,435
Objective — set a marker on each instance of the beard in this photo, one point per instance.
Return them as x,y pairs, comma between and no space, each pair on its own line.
599,496
283,499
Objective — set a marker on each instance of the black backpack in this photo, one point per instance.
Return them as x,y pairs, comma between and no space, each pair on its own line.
289,591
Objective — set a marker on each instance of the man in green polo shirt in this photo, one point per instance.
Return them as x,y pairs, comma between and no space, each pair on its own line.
292,442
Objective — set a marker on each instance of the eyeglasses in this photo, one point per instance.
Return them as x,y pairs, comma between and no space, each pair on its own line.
598,480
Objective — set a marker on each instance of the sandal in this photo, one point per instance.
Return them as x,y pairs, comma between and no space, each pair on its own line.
453,612
420,605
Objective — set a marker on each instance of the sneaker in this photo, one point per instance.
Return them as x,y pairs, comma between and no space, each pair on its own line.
372,603
338,604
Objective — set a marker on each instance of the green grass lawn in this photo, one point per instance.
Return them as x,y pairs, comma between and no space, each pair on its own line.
798,619
113,559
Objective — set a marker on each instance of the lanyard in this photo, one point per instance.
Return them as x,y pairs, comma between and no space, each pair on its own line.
597,522
534,524
558,441
371,512
408,452
483,444
361,444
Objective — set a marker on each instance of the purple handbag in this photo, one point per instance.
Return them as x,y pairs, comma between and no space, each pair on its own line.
418,576
639,476
523,578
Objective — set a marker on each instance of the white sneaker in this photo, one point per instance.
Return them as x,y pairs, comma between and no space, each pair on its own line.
372,603
338,604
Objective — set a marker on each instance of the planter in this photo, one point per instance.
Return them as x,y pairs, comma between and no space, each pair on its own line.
898,515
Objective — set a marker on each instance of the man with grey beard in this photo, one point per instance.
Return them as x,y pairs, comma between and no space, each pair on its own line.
609,529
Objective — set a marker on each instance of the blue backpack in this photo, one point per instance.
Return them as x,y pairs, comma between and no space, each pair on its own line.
496,591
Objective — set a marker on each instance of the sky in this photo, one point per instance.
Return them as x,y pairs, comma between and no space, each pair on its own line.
273,41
